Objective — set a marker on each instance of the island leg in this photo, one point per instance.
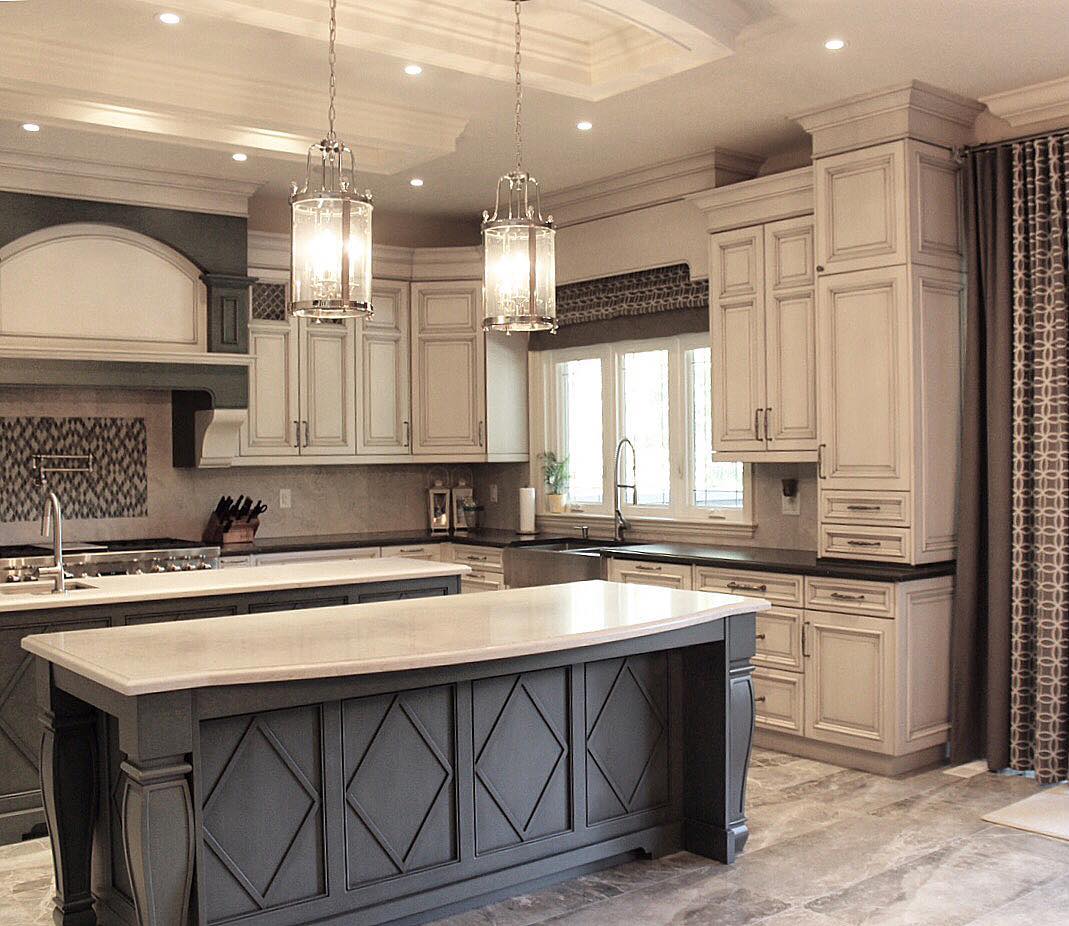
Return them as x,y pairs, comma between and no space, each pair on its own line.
718,721
69,788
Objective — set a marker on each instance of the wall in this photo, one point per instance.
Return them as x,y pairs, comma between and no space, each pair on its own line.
326,499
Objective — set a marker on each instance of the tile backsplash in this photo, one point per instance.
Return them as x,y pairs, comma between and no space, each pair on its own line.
116,488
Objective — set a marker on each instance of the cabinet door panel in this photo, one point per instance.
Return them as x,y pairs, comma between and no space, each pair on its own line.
849,680
779,698
865,379
273,404
779,639
860,201
737,329
384,381
666,575
328,388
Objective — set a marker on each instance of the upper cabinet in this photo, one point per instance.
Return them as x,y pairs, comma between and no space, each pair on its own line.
384,396
763,329
886,205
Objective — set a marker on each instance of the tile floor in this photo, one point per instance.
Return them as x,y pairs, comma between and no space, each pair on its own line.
828,847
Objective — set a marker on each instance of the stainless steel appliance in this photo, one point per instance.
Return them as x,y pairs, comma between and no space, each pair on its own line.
24,562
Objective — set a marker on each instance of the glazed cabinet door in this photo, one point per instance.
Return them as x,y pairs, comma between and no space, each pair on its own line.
448,368
737,327
328,373
384,384
790,417
273,427
849,680
666,575
864,378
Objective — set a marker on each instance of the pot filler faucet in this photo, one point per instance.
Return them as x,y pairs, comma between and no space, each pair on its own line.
619,522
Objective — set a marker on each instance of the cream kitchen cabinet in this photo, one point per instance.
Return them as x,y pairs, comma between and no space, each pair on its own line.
763,327
301,389
384,382
666,575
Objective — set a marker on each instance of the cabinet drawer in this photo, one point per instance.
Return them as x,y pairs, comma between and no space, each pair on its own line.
481,582
779,699
779,639
415,551
879,508
316,556
668,575
881,544
482,558
876,599
775,587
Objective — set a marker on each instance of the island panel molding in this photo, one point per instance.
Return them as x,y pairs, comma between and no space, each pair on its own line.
116,488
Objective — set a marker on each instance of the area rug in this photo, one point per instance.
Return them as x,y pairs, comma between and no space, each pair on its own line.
1046,813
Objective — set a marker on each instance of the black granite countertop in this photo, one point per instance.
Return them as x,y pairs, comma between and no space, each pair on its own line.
798,562
482,538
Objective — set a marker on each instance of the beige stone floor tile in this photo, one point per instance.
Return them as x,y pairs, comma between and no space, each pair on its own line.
800,916
773,823
792,773
854,790
1044,906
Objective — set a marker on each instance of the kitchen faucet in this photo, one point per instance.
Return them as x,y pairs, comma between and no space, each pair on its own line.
619,522
52,523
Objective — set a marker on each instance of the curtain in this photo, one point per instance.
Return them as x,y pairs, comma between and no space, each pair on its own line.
1039,702
980,630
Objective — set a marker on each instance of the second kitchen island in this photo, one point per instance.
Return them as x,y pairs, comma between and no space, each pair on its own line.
425,757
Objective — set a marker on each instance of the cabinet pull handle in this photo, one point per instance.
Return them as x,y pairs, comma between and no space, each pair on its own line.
475,557
307,435
805,640
742,586
411,549
481,429
842,596
864,507
760,700
768,433
642,568
296,433
820,461
864,543
408,433
759,636
757,423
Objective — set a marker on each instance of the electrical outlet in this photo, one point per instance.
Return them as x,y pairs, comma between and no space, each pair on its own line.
285,498
493,492
790,504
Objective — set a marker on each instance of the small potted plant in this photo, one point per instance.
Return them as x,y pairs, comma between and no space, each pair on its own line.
555,475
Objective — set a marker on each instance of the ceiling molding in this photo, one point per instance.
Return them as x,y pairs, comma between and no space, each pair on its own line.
653,185
1036,103
98,91
755,202
592,51
914,110
79,179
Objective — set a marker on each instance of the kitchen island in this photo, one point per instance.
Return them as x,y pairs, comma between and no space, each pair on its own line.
390,762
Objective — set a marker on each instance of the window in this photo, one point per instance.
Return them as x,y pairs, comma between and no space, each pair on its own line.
657,394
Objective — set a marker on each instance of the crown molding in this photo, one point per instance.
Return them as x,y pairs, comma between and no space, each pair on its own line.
914,110
96,90
755,202
465,263
653,185
1036,103
135,186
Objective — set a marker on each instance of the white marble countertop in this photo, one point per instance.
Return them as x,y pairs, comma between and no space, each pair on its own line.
199,584
367,638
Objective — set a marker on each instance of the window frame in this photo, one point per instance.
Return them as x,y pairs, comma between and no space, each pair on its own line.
546,433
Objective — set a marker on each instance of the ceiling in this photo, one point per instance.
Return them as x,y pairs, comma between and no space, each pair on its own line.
659,79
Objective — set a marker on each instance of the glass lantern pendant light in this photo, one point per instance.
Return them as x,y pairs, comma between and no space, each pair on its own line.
330,230
519,276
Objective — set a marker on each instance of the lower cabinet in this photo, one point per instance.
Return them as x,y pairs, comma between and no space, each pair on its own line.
779,700
666,575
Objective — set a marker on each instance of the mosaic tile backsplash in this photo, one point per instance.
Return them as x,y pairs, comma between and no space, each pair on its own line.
117,487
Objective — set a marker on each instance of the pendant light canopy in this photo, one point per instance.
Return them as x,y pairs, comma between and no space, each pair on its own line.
519,262
330,230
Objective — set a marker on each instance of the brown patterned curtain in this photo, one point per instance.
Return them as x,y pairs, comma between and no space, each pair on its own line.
1039,693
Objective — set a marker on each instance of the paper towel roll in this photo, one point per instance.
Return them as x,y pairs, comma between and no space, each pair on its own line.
527,510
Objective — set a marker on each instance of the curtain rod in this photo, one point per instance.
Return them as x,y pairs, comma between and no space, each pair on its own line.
962,150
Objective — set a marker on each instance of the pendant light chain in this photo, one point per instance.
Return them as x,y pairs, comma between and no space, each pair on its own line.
519,95
332,57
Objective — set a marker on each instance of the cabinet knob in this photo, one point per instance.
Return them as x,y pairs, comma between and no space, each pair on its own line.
820,268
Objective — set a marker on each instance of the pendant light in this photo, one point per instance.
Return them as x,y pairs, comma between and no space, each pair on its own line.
330,226
519,275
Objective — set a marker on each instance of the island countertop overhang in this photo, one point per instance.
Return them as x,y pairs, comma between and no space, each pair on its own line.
377,638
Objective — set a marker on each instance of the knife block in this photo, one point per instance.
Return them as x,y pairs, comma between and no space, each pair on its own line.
239,532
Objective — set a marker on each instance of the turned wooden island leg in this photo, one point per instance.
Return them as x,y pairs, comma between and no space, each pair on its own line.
69,788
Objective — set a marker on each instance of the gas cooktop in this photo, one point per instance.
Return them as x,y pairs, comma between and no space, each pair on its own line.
19,562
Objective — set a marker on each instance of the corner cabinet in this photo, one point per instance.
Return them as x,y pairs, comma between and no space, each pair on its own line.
763,326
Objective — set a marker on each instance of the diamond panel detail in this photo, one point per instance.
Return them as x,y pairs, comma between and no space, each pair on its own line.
269,301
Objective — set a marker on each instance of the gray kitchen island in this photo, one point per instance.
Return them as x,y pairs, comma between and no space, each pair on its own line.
393,762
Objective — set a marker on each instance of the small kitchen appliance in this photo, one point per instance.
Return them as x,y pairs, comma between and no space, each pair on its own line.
463,498
438,503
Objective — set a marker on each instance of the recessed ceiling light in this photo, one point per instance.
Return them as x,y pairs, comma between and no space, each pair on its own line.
584,125
240,156
413,70
416,181
30,127
170,19
834,44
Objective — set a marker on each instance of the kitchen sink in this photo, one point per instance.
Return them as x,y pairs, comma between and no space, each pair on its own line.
41,588
556,563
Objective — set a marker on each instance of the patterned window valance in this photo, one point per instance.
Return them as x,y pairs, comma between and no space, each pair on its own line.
644,292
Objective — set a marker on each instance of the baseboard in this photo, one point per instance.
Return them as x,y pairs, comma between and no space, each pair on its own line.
875,763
